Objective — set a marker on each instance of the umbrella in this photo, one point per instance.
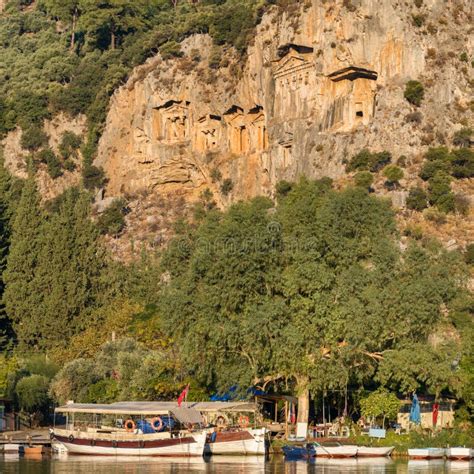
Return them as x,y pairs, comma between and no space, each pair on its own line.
415,416
435,413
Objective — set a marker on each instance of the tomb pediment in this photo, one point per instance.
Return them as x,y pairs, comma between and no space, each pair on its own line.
290,65
351,73
258,119
210,118
171,106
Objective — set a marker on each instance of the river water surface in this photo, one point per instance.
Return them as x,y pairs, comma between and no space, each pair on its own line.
12,464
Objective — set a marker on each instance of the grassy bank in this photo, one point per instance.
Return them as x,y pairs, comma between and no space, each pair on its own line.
404,442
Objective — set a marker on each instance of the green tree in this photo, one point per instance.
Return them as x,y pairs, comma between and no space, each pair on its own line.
67,11
108,21
69,269
32,392
380,404
21,296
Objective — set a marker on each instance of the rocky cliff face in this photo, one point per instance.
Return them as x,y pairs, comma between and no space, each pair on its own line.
319,84
320,81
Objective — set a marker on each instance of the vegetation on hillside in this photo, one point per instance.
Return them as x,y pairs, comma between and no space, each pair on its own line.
70,55
305,295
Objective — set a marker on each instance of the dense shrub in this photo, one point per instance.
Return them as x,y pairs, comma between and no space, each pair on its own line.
439,192
430,168
414,92
33,138
216,175
417,199
171,49
434,215
93,177
283,187
469,254
227,186
366,160
463,163
112,221
461,204
54,167
363,179
393,173
48,158
418,20
462,137
70,143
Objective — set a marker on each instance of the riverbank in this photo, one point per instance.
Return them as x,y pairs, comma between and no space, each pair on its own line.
402,442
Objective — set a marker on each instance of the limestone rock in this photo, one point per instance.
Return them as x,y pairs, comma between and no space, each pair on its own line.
313,91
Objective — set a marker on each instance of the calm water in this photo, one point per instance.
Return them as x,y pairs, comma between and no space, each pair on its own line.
10,464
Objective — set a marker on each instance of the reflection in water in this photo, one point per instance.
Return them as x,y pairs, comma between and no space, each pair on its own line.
63,464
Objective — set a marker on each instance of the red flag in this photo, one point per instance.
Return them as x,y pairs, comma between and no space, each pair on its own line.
435,413
183,395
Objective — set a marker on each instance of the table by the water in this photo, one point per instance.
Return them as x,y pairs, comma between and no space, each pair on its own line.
63,464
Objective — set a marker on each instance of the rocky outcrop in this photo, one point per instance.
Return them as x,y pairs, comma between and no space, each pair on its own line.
314,89
16,157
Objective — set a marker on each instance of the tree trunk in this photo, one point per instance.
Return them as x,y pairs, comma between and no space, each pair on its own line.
112,40
73,32
303,400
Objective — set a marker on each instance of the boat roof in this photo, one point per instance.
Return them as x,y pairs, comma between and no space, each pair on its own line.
187,410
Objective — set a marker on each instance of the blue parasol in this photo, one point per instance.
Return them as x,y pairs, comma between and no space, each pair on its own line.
415,416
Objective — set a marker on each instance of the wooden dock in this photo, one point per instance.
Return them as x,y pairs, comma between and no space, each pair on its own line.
26,438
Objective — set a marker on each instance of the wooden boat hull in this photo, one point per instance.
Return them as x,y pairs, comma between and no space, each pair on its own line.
249,441
336,452
190,445
426,453
460,454
374,452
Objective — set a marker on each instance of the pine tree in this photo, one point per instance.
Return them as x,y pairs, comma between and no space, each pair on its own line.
69,268
6,188
20,298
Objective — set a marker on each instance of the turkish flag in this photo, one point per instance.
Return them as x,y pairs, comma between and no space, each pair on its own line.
183,395
435,413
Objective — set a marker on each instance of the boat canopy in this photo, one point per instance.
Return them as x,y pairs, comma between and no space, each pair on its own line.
189,412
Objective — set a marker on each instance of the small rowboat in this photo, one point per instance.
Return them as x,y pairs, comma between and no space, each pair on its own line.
460,454
374,452
426,453
337,452
294,453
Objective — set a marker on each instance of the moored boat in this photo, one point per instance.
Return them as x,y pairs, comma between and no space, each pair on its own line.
337,452
154,429
238,441
374,451
294,453
426,453
460,454
11,448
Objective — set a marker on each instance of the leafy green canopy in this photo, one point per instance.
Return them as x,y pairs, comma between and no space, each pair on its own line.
316,293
